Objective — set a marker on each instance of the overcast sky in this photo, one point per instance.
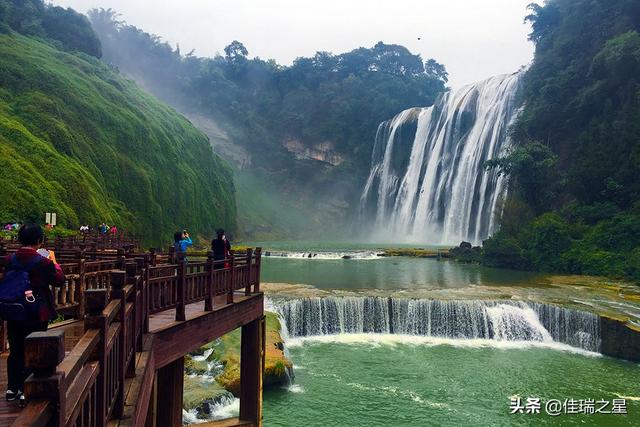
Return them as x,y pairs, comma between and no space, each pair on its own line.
474,39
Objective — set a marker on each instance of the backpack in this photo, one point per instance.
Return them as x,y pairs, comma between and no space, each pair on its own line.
14,305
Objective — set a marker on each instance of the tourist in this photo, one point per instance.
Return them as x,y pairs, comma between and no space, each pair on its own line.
113,230
181,241
221,248
37,306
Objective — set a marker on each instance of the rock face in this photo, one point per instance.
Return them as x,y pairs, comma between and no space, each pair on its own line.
619,339
322,152
212,375
466,252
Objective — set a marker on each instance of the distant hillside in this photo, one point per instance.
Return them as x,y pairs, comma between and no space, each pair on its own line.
78,139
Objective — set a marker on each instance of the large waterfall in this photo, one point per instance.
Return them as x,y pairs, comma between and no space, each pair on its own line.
495,320
427,181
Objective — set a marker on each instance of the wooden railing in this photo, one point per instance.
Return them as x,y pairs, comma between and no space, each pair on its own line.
115,298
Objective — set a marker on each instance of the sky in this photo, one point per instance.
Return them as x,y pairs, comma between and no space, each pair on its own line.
474,39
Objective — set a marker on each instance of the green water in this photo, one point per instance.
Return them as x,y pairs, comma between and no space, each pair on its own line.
416,385
387,273
377,273
344,382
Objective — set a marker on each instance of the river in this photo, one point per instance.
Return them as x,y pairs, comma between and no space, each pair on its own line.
403,379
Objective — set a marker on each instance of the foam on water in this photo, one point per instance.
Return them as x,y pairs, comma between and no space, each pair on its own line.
378,340
323,256
204,356
295,388
228,407
502,323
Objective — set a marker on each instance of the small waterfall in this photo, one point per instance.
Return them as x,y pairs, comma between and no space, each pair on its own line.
427,181
494,320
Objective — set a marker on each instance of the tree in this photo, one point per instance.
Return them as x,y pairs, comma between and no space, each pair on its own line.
542,20
235,52
436,70
72,29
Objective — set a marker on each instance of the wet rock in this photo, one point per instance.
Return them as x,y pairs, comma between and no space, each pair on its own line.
465,245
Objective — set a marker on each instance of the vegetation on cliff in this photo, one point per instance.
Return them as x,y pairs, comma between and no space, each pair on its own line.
78,139
575,204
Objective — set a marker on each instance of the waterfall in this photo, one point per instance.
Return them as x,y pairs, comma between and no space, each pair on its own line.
495,320
427,181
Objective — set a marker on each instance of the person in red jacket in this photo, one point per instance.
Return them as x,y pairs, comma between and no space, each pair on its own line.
44,274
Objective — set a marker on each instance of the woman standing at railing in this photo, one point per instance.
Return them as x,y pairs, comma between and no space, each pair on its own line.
30,273
181,241
221,248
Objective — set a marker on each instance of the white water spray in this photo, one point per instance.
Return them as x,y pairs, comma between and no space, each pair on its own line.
463,322
427,181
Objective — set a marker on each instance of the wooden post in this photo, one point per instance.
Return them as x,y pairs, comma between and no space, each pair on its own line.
145,299
182,282
231,278
170,394
256,271
172,255
122,259
247,289
154,256
208,302
133,278
152,414
118,280
95,301
251,361
43,352
82,286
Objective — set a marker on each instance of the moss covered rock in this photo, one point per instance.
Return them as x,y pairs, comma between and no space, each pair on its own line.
220,359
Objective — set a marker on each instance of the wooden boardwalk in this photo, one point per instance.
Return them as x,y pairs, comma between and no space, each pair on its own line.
119,359
161,323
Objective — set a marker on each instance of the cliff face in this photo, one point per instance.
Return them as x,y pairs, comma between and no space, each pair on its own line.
78,139
323,152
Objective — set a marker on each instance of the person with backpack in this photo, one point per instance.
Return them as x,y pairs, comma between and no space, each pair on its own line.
181,241
26,301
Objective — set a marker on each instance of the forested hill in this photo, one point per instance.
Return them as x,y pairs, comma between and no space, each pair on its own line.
576,172
301,136
78,139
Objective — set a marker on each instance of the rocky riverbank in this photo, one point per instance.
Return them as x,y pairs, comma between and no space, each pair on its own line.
212,374
417,252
